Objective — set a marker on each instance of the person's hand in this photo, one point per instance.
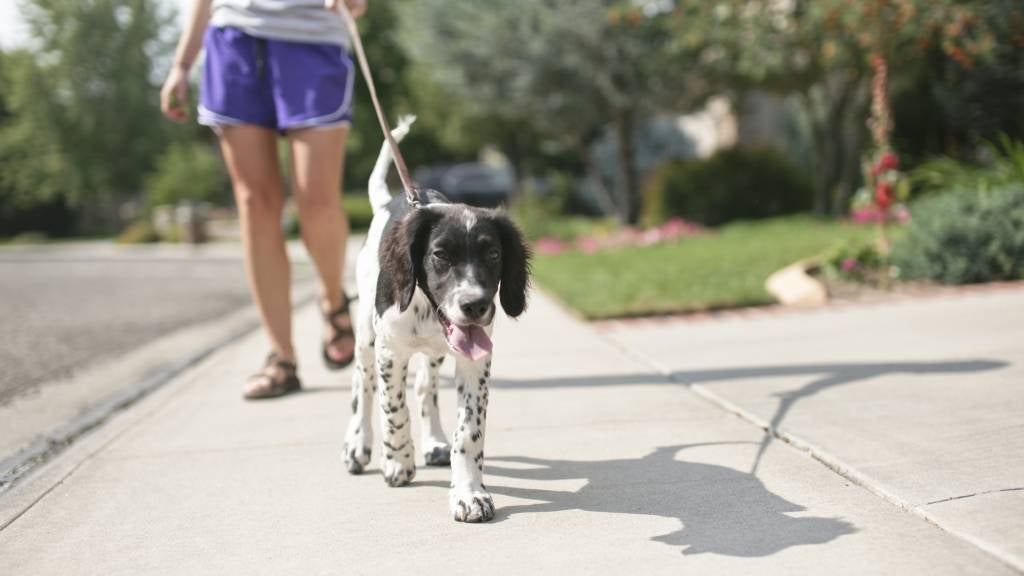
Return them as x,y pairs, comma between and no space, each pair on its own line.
355,7
174,94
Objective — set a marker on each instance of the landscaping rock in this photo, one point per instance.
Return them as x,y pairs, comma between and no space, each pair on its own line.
793,286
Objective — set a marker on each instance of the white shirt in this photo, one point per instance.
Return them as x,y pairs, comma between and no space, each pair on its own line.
293,20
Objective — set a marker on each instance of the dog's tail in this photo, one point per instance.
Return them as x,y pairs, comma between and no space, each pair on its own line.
378,184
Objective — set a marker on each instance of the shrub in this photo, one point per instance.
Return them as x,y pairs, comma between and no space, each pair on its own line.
359,211
964,236
189,171
357,208
853,261
541,217
734,184
1004,166
141,232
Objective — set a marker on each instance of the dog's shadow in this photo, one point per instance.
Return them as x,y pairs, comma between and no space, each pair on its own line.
721,510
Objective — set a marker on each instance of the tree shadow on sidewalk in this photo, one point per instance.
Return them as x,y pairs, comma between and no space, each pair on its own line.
721,510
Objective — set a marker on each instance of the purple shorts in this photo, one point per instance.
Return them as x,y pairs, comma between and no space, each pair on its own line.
277,84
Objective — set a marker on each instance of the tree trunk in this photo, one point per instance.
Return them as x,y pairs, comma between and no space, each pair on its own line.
855,137
628,185
822,151
605,199
827,106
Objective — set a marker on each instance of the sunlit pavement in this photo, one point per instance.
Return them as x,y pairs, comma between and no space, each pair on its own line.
598,461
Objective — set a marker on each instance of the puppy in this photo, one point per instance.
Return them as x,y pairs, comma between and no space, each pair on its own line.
427,280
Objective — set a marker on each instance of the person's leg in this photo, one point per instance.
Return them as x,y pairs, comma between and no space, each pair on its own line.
251,156
317,156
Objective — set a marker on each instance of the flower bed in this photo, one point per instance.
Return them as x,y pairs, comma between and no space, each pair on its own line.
670,231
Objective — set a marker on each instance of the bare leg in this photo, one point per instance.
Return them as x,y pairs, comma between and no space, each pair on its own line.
317,157
251,156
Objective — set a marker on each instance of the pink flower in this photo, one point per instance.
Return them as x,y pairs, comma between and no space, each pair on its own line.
901,214
865,215
673,228
588,244
848,265
550,246
650,237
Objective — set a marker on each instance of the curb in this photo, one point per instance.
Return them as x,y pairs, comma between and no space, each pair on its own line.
20,464
775,310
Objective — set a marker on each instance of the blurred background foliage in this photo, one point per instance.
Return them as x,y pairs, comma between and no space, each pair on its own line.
734,184
582,97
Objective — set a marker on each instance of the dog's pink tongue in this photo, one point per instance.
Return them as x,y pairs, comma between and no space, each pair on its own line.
469,340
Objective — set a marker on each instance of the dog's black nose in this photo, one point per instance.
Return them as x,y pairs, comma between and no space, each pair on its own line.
475,308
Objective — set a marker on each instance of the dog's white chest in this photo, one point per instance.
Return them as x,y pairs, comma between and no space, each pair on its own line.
417,329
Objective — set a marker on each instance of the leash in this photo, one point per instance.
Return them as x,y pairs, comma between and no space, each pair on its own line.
411,191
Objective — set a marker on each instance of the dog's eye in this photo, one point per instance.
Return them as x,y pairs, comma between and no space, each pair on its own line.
440,256
493,254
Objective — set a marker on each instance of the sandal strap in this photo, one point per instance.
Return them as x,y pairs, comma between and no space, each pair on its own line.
342,311
272,385
274,359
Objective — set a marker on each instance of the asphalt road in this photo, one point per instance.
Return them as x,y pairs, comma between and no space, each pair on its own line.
66,307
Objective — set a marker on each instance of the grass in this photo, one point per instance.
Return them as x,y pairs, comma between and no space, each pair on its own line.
725,269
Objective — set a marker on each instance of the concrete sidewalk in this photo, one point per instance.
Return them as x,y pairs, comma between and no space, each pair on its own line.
598,464
920,400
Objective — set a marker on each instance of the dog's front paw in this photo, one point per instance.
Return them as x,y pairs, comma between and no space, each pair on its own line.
357,457
471,505
440,455
399,471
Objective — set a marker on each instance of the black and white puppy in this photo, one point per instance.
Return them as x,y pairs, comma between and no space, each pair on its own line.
427,279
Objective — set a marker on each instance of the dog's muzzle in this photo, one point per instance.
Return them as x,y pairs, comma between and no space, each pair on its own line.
470,340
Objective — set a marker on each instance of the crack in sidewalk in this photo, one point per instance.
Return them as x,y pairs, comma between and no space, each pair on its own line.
827,459
983,493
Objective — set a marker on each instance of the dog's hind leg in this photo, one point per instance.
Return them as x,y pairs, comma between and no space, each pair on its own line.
359,436
469,501
433,442
392,367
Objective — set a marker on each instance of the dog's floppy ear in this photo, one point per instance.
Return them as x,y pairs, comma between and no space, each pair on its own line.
401,252
515,267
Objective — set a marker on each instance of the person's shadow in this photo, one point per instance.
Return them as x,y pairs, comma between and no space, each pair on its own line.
721,510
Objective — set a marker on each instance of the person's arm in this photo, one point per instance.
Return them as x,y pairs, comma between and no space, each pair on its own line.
174,94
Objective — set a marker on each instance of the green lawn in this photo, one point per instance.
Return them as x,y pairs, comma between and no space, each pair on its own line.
721,270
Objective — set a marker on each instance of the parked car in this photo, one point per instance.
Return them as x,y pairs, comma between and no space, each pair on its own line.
472,183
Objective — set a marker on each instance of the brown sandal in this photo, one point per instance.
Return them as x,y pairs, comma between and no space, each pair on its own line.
277,378
341,323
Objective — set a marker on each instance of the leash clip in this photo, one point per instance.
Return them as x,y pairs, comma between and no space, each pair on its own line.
412,197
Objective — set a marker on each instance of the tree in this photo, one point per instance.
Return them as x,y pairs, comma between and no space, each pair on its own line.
188,171
821,50
85,121
565,69
400,92
951,109
32,168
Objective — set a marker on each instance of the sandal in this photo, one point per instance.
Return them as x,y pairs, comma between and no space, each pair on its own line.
340,321
277,378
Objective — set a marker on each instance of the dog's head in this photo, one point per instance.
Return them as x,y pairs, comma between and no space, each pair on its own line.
461,257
